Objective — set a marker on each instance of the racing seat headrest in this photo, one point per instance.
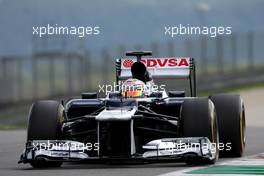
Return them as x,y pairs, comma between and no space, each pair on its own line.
139,71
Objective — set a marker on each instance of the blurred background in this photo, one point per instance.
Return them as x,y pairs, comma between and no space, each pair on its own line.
63,66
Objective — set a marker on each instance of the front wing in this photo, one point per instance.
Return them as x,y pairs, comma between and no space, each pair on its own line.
160,149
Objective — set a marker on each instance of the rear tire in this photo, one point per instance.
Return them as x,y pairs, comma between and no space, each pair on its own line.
198,119
231,121
44,123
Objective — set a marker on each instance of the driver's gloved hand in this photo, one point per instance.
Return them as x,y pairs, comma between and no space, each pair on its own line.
148,76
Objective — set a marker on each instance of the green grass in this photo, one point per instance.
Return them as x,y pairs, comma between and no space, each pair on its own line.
231,169
12,127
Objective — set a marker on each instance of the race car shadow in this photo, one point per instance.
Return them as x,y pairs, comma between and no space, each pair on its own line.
72,166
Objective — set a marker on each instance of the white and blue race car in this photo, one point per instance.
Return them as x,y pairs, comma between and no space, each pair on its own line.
137,123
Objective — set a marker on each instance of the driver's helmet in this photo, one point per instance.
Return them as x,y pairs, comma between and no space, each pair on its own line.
133,88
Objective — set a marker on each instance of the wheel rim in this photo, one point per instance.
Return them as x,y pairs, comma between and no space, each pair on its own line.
242,128
216,135
214,132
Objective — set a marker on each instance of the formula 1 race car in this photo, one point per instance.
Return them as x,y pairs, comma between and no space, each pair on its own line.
138,124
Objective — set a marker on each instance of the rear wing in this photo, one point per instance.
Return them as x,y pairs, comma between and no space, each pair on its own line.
167,67
171,67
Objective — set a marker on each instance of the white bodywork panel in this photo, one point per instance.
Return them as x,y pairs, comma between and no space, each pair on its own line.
201,146
116,114
58,149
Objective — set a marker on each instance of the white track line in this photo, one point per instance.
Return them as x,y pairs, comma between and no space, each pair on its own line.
246,161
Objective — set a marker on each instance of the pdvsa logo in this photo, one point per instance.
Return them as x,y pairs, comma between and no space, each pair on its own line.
166,62
160,62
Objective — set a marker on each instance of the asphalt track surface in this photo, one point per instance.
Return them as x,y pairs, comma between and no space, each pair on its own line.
12,144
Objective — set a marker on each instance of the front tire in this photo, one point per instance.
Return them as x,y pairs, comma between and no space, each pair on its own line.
44,123
231,120
198,119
